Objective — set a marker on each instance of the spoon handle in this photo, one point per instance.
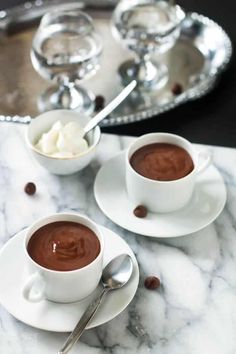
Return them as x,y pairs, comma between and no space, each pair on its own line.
84,320
110,107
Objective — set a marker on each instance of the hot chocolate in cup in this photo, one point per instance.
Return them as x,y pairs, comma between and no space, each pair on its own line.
64,255
161,171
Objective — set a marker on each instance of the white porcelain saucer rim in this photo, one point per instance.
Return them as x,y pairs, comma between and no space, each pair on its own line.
151,234
94,322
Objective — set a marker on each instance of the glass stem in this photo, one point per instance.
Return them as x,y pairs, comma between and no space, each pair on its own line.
68,95
147,70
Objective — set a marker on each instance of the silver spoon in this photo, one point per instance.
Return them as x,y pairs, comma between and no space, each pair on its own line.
110,107
115,275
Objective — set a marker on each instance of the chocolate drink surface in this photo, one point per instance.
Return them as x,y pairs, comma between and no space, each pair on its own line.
162,162
63,246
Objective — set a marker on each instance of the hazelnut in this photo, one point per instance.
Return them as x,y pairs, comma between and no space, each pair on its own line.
177,89
140,211
99,103
152,283
30,188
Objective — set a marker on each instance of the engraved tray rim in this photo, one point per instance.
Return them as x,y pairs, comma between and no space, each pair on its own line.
205,84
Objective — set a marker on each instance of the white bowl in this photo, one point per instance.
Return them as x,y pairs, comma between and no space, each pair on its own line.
61,165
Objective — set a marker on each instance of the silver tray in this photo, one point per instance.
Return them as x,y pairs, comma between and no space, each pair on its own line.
200,55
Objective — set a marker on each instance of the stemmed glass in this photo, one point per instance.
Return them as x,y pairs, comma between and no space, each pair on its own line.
146,27
66,50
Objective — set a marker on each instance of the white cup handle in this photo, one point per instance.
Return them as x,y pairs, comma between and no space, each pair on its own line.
33,289
205,159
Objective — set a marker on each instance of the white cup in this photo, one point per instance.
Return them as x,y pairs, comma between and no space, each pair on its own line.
163,196
62,286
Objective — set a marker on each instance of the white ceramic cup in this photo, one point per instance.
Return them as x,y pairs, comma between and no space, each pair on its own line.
62,286
163,196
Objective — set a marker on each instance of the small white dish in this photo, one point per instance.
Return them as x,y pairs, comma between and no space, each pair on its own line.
206,204
51,316
61,165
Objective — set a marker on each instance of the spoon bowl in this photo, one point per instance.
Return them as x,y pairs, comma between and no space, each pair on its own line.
117,272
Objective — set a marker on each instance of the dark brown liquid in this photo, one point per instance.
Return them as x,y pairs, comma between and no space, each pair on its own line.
63,246
162,162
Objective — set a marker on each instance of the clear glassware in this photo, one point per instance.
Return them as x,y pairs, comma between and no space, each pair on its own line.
66,50
148,28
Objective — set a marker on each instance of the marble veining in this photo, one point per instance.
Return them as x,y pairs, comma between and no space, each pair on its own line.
193,312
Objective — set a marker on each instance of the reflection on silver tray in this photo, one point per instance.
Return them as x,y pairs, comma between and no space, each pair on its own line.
200,55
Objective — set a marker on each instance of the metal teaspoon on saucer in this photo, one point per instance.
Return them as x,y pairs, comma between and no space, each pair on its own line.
114,276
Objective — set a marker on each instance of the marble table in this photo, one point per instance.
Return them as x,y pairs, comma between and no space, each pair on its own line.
193,312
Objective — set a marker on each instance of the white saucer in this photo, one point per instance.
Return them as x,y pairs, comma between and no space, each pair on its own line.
206,204
52,316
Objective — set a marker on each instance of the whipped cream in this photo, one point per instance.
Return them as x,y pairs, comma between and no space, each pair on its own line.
63,140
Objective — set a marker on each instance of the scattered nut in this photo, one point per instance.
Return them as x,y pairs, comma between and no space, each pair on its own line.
140,211
99,103
152,283
30,188
177,89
